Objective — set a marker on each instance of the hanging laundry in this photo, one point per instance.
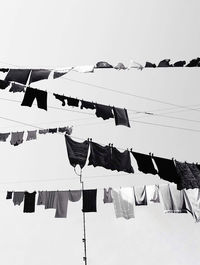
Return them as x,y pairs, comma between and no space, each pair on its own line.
108,196
173,199
62,204
179,64
74,102
43,131
4,84
39,74
18,75
63,129
140,195
123,200
89,201
87,105
166,169
186,177
150,65
18,197
60,72
120,66
84,69
51,198
100,155
74,195
4,70
4,136
31,135
121,117
103,111
16,138
41,197
152,194
164,63
17,88
192,200
39,95
53,130
121,161
195,171
103,65
194,63
77,152
29,202
62,98
9,195
145,163
135,65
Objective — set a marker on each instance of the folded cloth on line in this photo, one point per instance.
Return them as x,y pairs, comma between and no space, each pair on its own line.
140,195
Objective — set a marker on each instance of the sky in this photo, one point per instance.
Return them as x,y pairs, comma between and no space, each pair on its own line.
56,34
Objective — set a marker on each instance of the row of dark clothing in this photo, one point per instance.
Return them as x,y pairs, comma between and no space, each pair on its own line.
185,175
18,137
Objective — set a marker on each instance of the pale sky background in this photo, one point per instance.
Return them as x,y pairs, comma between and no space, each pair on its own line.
69,33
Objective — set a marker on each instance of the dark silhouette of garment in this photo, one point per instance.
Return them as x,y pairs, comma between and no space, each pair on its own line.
43,131
4,70
17,88
121,161
59,74
9,195
31,94
164,63
63,129
195,171
74,102
4,84
89,200
39,74
121,117
103,111
87,105
150,65
62,98
193,63
108,196
145,163
103,65
18,197
31,135
16,138
53,130
77,152
120,66
29,202
4,136
179,64
166,169
18,75
100,155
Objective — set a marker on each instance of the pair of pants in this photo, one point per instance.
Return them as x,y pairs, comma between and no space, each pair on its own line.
39,95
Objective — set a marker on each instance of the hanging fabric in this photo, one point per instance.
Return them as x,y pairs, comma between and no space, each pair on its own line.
152,194
29,202
103,111
4,137
31,94
31,135
16,138
89,200
145,163
4,84
121,161
107,195
39,74
140,195
121,117
18,197
17,88
100,155
18,75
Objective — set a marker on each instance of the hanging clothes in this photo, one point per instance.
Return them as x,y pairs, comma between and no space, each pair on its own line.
100,155
62,98
16,138
18,197
123,200
140,195
41,197
31,135
108,196
77,152
164,63
150,65
121,117
194,63
179,64
103,65
39,74
60,72
9,195
195,171
87,105
4,84
173,199
89,200
84,69
52,130
74,102
29,202
152,194
62,204
192,200
18,75
74,195
51,198
145,163
103,111
17,88
31,94
121,161
4,137
63,129
4,70
120,66
43,131
136,65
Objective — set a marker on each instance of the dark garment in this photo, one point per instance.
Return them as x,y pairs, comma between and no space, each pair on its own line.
195,171
62,98
103,65
4,70
186,177
39,74
150,65
29,202
18,75
121,161
108,196
100,155
43,131
193,63
145,163
77,152
53,130
121,117
63,129
9,195
16,138
39,95
164,63
17,88
31,135
120,66
74,102
89,200
103,111
179,64
4,136
4,84
166,169
18,197
59,74
87,105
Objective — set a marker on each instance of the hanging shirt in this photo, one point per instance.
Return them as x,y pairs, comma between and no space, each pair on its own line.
123,200
140,195
77,152
103,111
29,202
89,200
17,88
43,131
16,138
4,136
121,161
84,69
145,163
152,194
51,198
120,66
31,94
53,130
41,197
18,197
39,74
4,84
63,129
87,105
62,204
74,195
9,195
18,75
31,135
121,117
103,65
108,196
100,155
62,98
192,200
74,102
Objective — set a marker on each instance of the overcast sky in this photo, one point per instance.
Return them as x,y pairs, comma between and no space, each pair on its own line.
69,33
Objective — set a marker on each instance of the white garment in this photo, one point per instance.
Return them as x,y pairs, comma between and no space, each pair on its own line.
84,69
133,64
140,195
123,200
192,200
152,194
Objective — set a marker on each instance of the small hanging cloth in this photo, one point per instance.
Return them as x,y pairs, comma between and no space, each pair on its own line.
89,201
17,88
31,94
121,117
4,84
104,111
145,163
39,74
18,75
